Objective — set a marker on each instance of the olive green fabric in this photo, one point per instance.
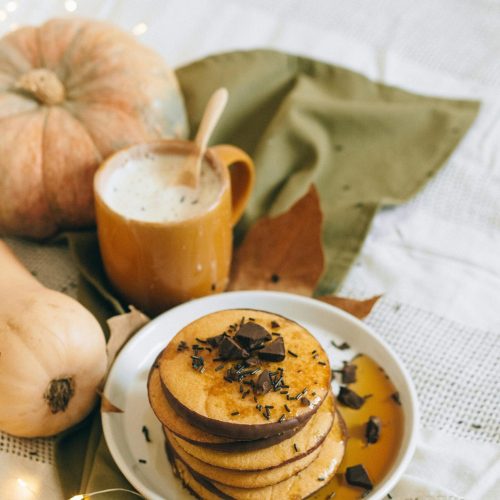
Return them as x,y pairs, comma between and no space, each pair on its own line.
363,145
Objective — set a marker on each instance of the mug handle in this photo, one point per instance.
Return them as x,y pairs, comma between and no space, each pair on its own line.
242,173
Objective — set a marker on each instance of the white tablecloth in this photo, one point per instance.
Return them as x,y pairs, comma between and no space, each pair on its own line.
435,258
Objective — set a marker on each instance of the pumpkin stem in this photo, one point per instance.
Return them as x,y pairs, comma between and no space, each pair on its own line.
43,85
58,394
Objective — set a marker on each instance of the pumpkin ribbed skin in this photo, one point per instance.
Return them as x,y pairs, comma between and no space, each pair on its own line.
71,93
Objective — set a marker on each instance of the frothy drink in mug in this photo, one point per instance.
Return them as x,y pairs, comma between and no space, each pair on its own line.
145,189
162,243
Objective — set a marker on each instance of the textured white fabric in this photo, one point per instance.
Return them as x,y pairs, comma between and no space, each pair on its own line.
437,256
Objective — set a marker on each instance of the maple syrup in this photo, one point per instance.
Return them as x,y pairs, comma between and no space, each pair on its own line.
379,457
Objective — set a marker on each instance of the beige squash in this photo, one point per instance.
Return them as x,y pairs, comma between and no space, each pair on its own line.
73,91
52,355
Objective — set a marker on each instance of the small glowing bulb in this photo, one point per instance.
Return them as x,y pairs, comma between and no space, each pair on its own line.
77,497
3,15
11,6
140,28
70,5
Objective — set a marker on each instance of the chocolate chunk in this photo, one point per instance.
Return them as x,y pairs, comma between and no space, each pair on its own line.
348,373
372,430
357,476
396,398
253,361
229,349
215,341
274,324
264,383
274,351
350,398
250,335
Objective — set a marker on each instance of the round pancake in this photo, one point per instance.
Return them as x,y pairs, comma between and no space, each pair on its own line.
298,486
210,402
306,441
182,428
242,479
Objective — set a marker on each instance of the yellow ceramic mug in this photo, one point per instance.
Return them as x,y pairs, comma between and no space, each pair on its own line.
155,265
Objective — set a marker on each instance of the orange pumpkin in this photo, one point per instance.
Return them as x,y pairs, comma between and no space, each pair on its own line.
73,91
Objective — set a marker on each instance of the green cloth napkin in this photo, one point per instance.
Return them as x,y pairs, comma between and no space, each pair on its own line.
363,144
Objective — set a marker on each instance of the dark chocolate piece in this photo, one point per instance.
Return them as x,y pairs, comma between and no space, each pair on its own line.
357,476
340,347
274,324
273,351
145,431
264,383
348,373
215,341
250,335
229,349
350,398
396,398
305,402
372,430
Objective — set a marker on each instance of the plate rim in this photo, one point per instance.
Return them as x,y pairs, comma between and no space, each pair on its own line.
411,409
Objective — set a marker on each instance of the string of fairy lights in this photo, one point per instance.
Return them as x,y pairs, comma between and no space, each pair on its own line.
9,23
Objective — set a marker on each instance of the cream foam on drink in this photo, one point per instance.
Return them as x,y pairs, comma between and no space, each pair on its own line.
144,189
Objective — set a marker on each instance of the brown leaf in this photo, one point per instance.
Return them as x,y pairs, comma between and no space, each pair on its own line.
107,406
121,328
283,252
359,308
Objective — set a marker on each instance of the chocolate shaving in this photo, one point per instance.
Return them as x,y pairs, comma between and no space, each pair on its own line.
250,335
348,373
145,431
229,349
357,476
305,402
350,398
372,430
273,351
264,383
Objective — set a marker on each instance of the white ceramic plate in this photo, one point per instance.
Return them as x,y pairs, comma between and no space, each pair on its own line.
126,384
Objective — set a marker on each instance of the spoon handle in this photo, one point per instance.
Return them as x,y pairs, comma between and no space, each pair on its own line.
213,112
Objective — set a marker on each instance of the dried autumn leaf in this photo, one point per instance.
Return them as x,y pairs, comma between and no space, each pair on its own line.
121,328
359,308
283,252
107,406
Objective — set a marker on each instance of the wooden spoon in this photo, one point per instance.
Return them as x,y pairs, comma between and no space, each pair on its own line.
190,172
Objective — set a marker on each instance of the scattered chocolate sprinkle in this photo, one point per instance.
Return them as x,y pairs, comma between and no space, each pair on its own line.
315,356
241,388
296,448
372,430
274,324
283,392
301,393
276,334
182,346
145,431
259,407
251,319
282,418
305,402
357,476
314,352
292,353
234,413
142,461
348,372
287,409
229,349
396,398
340,347
350,398
322,363
201,341
321,478
313,393
389,496
245,394
250,335
273,351
275,278
219,368
198,363
264,383
475,426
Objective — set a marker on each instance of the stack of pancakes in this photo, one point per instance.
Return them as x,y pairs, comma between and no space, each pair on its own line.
245,403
